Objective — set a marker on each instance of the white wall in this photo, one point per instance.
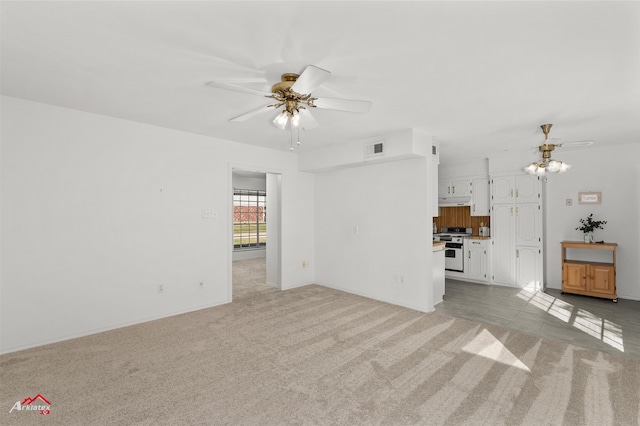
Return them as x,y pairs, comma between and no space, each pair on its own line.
97,211
246,182
373,230
615,172
466,168
274,224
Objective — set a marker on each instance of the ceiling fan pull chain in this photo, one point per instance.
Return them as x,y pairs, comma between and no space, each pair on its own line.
291,146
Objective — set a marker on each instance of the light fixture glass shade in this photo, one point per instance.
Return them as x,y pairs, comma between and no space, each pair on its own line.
541,170
554,166
281,120
536,169
295,119
531,168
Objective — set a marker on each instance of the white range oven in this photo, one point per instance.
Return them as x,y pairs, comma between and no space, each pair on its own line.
453,247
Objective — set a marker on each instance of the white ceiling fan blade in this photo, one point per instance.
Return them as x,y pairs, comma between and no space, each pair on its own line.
310,79
349,105
250,114
237,88
307,121
575,144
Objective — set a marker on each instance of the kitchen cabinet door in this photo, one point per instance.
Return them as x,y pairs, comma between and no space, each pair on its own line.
461,188
502,189
527,189
528,223
528,261
480,197
476,260
444,189
502,226
456,188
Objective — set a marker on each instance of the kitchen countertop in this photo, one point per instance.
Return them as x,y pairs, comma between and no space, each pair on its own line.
477,237
438,245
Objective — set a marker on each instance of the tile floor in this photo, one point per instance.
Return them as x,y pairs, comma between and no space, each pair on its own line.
581,320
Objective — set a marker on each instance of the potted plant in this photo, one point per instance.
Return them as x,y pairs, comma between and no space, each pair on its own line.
588,225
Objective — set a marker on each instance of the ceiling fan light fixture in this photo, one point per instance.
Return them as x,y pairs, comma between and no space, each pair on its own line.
547,164
293,99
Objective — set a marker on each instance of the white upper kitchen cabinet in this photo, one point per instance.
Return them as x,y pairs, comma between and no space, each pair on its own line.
454,188
480,197
511,189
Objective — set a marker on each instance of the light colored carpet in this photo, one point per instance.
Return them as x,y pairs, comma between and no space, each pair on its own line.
250,277
313,355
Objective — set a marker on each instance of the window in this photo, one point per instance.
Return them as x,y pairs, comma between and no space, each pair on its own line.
249,219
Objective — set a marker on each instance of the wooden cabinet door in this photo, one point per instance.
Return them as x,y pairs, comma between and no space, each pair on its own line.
574,277
602,280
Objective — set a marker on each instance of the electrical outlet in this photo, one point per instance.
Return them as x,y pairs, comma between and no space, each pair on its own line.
200,285
160,288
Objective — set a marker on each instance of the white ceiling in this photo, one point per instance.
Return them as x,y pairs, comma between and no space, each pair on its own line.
481,77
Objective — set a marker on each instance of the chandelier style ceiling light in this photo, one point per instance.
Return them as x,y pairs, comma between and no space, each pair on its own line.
547,164
295,104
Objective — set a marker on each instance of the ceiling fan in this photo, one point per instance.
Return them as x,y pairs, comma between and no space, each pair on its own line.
548,164
293,95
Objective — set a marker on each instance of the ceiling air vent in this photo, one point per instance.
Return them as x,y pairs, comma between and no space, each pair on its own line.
374,149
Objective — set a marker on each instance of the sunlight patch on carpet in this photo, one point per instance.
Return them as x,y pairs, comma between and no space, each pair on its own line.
488,346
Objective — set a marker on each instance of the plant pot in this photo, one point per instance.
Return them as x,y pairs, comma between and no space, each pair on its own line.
588,238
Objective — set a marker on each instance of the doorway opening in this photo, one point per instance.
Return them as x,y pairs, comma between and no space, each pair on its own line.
255,265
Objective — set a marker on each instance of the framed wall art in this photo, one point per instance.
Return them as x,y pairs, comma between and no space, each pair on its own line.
589,197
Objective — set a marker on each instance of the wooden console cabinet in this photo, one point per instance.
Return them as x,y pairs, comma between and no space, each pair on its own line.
589,278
